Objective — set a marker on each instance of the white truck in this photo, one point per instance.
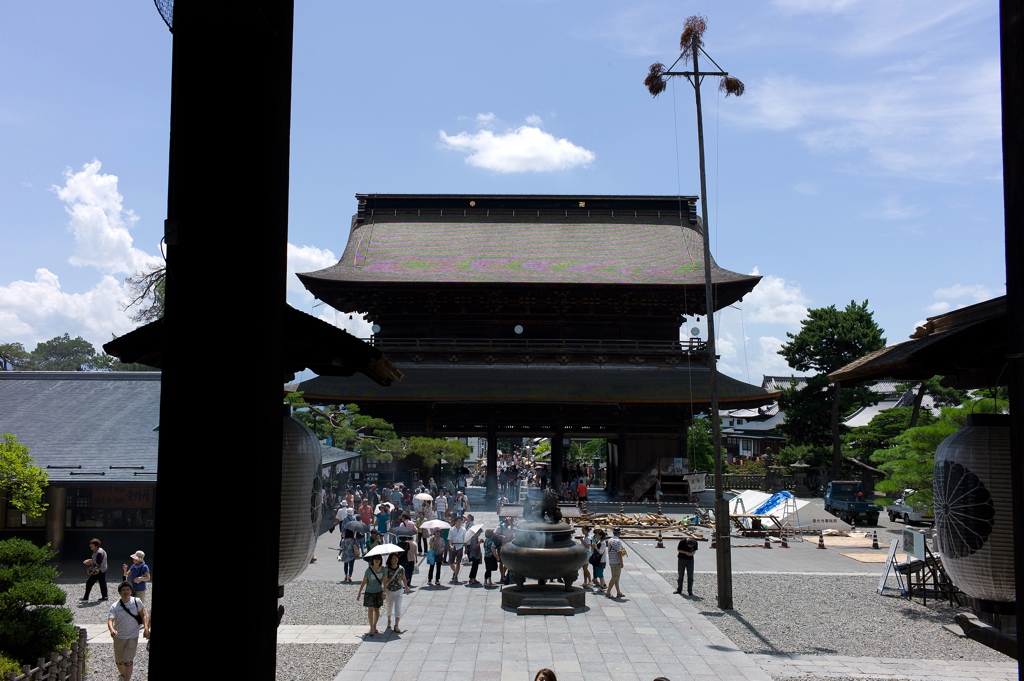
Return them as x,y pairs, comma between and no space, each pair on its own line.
900,510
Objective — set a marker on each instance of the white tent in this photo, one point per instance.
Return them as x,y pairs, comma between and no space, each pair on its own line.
799,514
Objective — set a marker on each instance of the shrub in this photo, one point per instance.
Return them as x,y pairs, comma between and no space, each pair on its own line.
7,665
32,622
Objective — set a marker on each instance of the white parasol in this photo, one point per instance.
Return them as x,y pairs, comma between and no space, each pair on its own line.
383,550
435,525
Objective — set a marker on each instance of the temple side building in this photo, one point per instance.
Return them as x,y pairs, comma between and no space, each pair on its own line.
555,316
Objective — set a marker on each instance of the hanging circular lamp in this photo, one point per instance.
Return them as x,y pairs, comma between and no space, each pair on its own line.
301,507
973,508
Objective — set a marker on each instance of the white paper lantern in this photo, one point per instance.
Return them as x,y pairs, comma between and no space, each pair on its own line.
301,508
973,508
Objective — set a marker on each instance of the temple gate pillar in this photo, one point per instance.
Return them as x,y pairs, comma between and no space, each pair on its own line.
492,462
56,512
557,458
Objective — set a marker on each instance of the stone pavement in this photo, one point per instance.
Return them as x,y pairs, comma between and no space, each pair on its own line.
464,631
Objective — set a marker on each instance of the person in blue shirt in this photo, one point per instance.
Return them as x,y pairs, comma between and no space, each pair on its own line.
383,516
137,574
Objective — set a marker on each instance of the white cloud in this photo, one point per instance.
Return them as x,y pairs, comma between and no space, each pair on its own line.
815,6
749,359
485,119
903,123
524,149
306,259
534,119
34,311
957,296
773,301
100,222
893,208
978,292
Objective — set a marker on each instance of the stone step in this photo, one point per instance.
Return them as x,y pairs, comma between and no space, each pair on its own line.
545,601
565,610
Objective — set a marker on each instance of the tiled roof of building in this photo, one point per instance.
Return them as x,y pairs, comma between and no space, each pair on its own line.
617,246
85,426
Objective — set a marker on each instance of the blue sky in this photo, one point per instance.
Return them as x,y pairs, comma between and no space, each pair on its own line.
863,162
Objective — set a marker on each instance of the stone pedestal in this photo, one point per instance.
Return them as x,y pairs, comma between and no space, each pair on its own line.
550,599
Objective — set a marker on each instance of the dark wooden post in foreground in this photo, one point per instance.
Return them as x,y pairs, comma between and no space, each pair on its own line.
1011,20
226,235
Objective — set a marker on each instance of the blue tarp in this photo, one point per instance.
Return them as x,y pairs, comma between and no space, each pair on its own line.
773,502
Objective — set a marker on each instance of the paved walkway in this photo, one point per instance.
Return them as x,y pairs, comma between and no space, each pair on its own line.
464,631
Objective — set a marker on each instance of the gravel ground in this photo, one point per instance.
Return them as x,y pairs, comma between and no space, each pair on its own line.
314,602
319,662
832,615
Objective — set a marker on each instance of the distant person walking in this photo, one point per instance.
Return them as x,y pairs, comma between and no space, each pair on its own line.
437,549
616,560
600,546
687,547
96,566
348,552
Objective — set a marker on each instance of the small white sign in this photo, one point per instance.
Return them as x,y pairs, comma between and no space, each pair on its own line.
913,543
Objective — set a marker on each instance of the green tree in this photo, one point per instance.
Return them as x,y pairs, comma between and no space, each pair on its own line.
699,449
13,356
348,428
32,623
542,450
941,395
64,353
910,459
20,481
829,339
594,449
433,449
881,433
811,456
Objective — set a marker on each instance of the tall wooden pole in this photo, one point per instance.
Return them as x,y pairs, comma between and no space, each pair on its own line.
723,551
1011,25
227,219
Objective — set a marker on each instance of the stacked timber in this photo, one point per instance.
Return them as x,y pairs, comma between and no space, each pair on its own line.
642,525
